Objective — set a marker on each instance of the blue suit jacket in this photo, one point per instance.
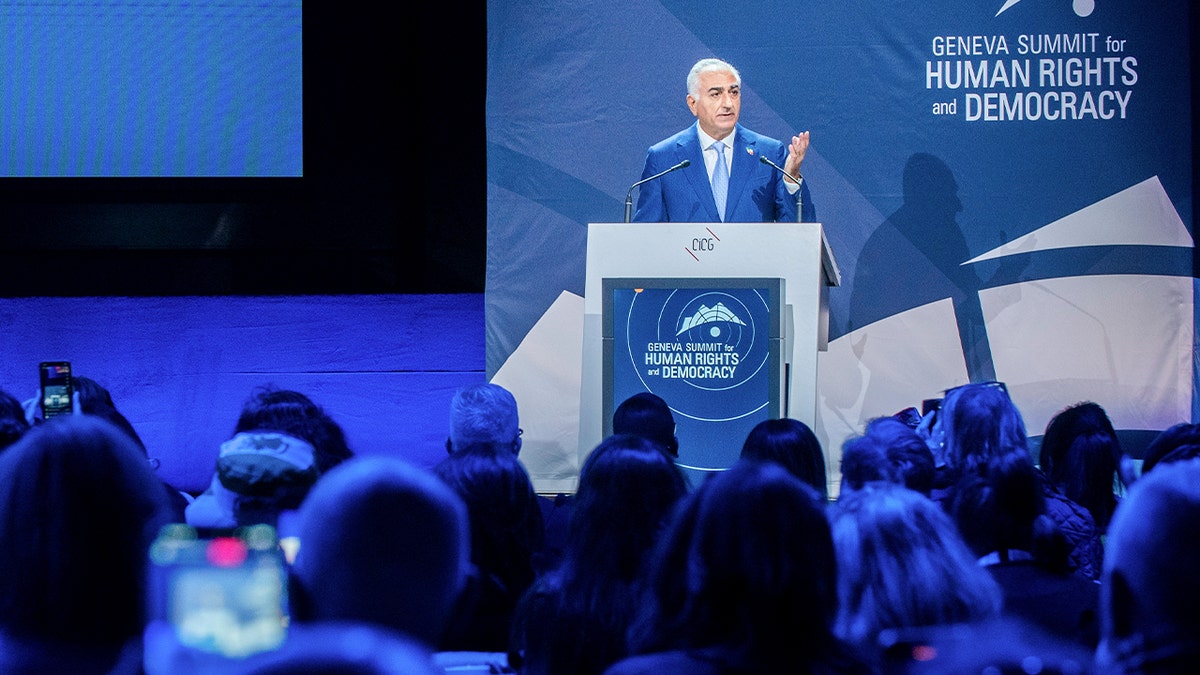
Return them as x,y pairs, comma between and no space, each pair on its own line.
756,191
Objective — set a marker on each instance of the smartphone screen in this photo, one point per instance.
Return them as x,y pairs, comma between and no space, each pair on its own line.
56,388
223,595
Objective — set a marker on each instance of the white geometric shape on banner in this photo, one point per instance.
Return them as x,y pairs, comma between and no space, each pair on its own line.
881,369
1141,215
1007,4
1121,340
543,374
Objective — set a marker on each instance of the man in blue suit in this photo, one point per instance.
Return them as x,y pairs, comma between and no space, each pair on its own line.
731,173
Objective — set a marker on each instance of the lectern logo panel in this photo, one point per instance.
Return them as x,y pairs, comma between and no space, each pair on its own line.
706,352
682,342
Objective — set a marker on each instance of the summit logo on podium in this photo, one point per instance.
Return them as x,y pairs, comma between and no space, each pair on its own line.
715,316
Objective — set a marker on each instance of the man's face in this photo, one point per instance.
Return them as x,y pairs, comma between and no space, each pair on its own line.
717,104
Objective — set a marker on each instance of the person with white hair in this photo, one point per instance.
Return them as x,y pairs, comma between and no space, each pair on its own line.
717,170
484,416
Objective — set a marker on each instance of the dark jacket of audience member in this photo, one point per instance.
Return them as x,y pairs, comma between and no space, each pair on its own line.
506,531
1002,515
791,444
1086,554
744,581
573,619
79,507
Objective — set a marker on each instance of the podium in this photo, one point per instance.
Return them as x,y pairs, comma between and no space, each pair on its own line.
704,315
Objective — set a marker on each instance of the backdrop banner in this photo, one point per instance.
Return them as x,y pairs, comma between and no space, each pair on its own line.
1006,184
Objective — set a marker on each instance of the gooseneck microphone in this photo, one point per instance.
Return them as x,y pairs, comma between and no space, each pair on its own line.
797,179
629,195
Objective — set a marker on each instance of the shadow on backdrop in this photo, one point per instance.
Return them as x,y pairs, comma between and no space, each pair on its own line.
916,257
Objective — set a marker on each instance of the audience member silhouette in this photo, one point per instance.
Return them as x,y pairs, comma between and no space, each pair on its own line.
1179,442
888,450
979,425
484,415
91,398
743,581
791,444
647,415
506,531
282,443
79,507
1001,515
902,564
95,399
13,423
1080,454
383,561
1150,593
573,619
754,571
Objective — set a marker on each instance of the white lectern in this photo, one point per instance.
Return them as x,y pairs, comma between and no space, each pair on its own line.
795,252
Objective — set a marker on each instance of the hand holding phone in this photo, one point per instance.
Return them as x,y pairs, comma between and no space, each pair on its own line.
57,389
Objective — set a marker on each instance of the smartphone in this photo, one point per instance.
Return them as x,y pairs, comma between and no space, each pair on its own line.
224,596
930,405
56,388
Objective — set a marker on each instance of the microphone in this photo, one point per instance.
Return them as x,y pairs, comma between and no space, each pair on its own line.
798,180
629,195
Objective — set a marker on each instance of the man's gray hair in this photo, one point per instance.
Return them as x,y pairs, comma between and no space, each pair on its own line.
709,66
483,414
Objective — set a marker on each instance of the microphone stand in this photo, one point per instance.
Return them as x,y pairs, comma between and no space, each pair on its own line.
798,180
629,195
827,262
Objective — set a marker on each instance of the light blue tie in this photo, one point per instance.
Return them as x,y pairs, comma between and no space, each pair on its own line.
720,179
